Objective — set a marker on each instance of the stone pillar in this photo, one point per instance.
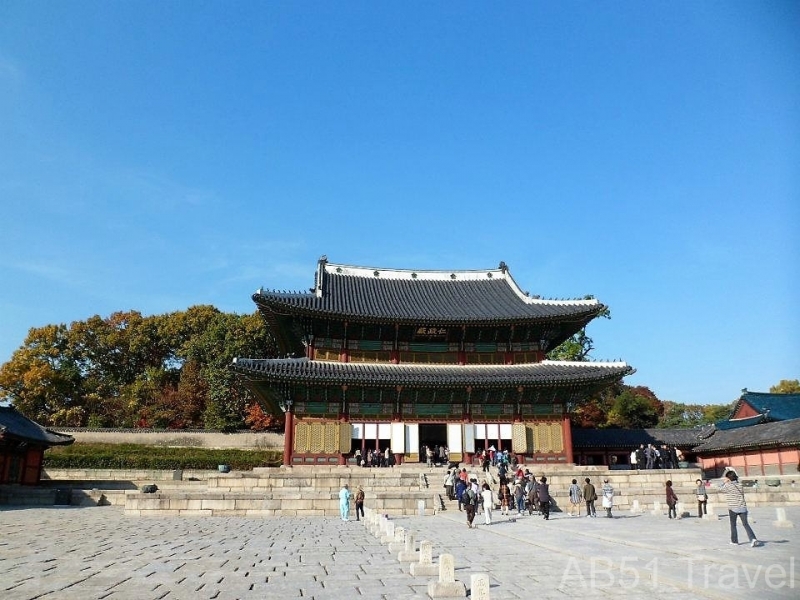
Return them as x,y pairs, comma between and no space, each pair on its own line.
408,554
447,586
479,586
781,520
425,566
398,544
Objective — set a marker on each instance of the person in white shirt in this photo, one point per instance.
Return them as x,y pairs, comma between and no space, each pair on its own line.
488,503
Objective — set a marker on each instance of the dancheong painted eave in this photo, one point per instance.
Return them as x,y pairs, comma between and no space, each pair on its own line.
543,374
367,294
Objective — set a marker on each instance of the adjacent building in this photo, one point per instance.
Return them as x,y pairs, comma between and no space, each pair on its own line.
402,360
761,437
22,446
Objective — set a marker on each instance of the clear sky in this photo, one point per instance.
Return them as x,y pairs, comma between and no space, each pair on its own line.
158,155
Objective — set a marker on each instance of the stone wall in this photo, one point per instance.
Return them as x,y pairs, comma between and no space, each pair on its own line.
245,440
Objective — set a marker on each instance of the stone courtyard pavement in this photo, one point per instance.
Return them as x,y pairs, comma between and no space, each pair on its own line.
97,552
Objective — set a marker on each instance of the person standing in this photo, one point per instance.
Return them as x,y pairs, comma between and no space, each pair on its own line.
589,496
702,498
672,500
344,502
575,499
488,503
737,508
359,502
640,457
608,497
650,456
470,504
519,496
543,493
448,484
461,487
633,460
505,497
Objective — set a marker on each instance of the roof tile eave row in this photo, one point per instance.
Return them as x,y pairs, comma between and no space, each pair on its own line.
408,319
536,374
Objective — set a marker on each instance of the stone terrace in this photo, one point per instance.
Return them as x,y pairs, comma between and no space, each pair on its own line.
313,491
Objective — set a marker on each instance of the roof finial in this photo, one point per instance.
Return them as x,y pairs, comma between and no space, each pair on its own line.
503,266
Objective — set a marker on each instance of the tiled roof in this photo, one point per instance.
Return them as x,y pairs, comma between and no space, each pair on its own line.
776,407
776,434
15,425
630,439
737,423
406,296
546,373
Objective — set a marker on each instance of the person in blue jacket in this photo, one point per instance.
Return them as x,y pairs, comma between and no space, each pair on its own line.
344,502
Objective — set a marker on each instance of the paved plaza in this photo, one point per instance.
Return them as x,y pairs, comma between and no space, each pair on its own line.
97,552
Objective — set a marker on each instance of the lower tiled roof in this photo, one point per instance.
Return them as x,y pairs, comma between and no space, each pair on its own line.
14,424
630,439
777,434
546,373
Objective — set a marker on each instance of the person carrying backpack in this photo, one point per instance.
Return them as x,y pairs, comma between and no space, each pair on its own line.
470,501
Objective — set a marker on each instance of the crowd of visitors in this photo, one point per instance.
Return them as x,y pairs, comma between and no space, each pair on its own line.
651,457
374,458
520,492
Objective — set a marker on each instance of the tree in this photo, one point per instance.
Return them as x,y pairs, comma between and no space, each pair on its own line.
678,415
258,420
579,345
127,370
633,410
786,386
42,379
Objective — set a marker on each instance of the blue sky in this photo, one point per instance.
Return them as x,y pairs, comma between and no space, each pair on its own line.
154,156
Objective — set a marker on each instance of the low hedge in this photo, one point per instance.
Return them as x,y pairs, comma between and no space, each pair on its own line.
136,456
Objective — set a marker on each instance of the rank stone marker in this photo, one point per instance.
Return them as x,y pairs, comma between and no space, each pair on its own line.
425,566
781,520
447,586
479,586
408,554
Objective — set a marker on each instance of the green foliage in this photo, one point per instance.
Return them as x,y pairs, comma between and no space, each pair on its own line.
134,456
632,410
127,370
786,386
579,346
678,415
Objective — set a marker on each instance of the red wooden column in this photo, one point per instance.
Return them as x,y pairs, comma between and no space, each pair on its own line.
566,427
343,418
288,435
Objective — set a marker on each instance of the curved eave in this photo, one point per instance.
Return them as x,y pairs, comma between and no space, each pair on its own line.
562,313
544,374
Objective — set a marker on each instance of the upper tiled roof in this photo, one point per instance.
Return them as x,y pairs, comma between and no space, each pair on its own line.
14,424
774,407
406,296
777,434
546,373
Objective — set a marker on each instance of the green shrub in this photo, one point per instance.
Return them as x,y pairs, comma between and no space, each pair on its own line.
134,456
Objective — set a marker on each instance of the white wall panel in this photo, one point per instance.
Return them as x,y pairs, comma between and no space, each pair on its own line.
469,438
398,439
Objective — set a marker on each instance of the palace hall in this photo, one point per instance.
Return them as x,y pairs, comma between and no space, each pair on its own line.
374,358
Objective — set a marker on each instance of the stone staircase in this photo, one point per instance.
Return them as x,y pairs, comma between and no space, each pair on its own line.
295,491
408,489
